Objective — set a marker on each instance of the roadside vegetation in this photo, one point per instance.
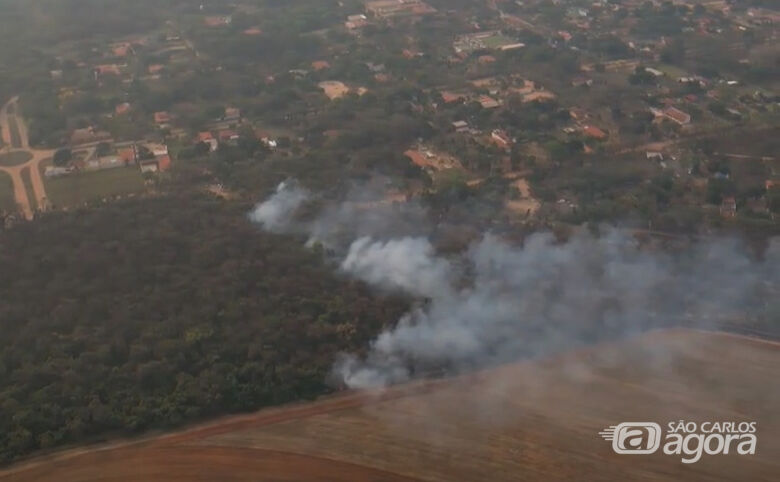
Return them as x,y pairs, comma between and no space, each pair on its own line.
7,200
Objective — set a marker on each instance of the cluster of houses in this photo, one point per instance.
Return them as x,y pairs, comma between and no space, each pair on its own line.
492,92
387,9
150,157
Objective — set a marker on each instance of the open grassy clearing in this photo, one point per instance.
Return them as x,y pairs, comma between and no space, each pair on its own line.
16,137
497,41
29,188
12,159
84,187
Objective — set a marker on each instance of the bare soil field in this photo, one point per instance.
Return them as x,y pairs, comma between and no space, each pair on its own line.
526,421
334,89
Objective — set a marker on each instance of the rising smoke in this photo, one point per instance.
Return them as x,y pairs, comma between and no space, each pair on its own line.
499,302
276,215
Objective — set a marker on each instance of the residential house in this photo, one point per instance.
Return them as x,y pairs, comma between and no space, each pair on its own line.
677,115
128,156
319,65
107,69
149,165
157,149
232,114
54,171
450,97
162,119
460,126
386,9
654,156
355,22
121,50
594,133
122,108
155,164
218,21
581,80
208,138
488,102
578,114
228,135
501,138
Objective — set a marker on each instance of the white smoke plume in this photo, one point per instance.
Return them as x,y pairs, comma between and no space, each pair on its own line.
275,214
500,302
408,264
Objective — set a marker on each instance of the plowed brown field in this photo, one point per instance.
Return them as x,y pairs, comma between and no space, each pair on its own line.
528,421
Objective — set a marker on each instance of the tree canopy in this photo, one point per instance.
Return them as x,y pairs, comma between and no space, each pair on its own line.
155,312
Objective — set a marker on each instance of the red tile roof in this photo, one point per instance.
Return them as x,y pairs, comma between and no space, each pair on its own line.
164,163
451,97
594,132
677,115
162,117
320,65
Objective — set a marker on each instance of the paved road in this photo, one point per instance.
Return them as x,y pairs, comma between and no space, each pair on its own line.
15,172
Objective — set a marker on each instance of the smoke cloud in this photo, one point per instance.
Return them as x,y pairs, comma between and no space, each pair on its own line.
276,214
408,264
499,302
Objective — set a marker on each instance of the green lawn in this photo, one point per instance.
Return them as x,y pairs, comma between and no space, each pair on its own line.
80,188
16,138
14,158
497,41
7,200
672,71
29,188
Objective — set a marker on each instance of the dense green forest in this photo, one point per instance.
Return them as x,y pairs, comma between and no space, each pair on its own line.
152,313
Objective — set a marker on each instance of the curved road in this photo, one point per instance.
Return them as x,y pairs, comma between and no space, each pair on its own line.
15,172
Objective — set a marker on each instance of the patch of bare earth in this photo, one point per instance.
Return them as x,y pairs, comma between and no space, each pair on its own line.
334,89
536,420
